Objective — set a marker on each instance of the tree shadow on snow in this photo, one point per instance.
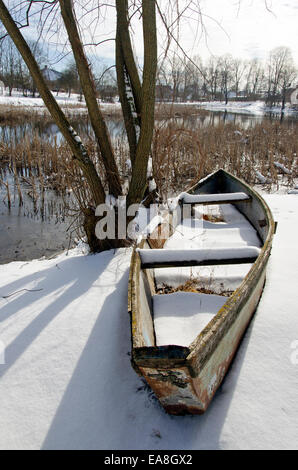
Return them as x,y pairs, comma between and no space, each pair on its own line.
73,273
106,405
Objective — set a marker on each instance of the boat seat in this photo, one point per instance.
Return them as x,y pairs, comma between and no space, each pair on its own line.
221,198
159,258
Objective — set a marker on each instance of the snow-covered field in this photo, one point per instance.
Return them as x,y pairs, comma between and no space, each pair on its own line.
72,101
66,379
256,108
17,99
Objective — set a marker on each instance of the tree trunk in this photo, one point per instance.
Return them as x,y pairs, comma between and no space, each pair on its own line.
283,103
139,172
127,52
143,96
79,151
125,94
88,87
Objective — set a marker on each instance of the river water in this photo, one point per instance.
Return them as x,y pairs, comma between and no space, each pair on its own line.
25,233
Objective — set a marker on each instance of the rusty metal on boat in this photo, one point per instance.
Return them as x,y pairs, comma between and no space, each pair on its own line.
185,378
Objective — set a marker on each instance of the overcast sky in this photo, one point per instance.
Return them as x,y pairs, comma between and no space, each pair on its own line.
248,28
244,28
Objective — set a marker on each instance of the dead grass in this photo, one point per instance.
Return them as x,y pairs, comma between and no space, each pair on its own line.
192,285
184,150
14,115
11,114
213,218
182,155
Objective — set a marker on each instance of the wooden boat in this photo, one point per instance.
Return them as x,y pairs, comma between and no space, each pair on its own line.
185,377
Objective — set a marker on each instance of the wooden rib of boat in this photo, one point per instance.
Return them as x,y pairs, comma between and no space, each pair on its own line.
185,377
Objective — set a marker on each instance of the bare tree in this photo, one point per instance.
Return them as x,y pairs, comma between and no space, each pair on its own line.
213,73
69,79
137,99
9,62
226,75
136,91
172,73
287,79
194,82
238,70
254,78
106,82
280,70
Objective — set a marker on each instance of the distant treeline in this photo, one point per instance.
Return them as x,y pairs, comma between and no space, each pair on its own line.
179,79
225,77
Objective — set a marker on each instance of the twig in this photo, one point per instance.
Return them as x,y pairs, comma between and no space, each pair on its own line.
14,293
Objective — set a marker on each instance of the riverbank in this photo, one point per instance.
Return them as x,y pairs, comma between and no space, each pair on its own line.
233,136
67,381
256,108
77,104
37,173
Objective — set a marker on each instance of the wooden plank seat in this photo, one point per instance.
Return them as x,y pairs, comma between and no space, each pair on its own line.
221,198
156,258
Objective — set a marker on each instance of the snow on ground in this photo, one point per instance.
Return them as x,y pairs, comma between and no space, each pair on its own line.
17,99
67,382
257,108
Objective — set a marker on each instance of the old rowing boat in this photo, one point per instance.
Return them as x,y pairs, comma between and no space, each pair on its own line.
183,340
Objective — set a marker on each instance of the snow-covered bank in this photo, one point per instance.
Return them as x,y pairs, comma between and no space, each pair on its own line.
257,108
73,101
17,99
253,108
68,382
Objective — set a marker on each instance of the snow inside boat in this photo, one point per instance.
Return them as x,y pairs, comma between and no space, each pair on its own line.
192,294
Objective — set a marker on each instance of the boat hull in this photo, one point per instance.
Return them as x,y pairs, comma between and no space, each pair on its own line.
185,379
180,390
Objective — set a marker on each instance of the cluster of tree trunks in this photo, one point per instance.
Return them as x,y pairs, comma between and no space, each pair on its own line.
137,98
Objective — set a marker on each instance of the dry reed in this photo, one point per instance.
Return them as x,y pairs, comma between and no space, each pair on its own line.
183,151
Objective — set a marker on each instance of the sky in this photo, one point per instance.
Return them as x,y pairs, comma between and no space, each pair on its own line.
244,28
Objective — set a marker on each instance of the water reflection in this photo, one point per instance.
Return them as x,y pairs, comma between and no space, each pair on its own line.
50,131
33,229
12,134
244,121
